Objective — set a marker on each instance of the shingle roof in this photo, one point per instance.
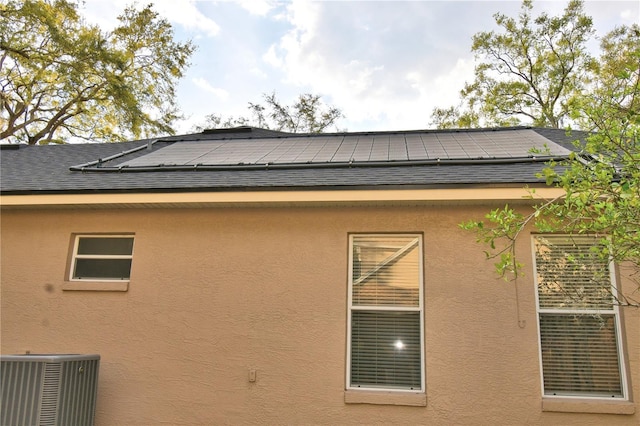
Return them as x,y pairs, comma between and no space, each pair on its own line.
347,148
249,158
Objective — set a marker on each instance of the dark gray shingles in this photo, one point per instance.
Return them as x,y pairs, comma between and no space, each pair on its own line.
46,168
563,137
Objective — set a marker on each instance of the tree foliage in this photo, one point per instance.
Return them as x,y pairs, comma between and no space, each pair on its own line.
600,181
61,78
308,114
530,70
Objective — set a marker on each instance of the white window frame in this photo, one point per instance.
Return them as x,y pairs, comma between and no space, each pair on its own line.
75,256
419,308
614,311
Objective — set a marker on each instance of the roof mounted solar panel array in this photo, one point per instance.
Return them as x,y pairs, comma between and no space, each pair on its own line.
359,148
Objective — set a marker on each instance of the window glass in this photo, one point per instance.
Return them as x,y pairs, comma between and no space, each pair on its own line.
578,319
105,258
580,355
385,349
571,275
105,245
386,271
102,268
385,312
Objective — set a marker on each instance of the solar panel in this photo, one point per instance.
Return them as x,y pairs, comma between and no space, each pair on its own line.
336,148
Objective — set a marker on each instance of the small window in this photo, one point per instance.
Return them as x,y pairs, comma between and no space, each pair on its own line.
385,313
102,258
579,323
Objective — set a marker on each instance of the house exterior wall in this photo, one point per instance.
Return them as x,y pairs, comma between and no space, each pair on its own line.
217,292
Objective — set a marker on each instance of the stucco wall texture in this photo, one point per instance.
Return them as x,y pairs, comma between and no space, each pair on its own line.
217,292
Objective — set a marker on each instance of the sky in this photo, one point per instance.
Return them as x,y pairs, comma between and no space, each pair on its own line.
386,65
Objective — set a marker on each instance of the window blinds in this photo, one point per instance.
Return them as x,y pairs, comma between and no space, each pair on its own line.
385,348
578,319
580,355
571,274
385,312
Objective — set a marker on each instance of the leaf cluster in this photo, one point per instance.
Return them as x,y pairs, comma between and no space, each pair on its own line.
530,70
601,186
61,78
600,179
308,114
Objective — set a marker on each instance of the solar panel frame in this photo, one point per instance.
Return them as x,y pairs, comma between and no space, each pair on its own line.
338,148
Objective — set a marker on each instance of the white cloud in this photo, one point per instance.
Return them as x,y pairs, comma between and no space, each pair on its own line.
388,64
257,7
181,12
185,13
361,76
258,73
271,57
385,64
627,15
205,85
101,13
377,74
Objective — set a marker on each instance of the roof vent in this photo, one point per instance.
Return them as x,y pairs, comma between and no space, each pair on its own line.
4,146
240,129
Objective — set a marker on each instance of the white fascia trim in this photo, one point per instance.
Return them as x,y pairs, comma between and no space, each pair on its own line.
281,197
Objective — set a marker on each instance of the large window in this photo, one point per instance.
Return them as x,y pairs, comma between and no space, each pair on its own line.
101,257
579,324
385,313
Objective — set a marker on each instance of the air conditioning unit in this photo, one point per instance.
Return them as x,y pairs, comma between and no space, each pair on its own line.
48,390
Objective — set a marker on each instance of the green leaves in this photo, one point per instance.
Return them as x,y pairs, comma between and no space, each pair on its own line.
307,115
538,70
61,78
601,198
529,70
504,227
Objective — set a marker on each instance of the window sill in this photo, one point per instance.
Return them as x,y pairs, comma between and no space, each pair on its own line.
417,399
588,406
96,285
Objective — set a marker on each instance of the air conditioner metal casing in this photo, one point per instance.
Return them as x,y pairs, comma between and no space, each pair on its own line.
48,389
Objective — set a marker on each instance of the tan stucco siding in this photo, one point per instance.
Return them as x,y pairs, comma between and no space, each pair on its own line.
216,292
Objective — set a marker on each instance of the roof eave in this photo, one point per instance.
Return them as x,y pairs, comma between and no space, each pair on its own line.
299,196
